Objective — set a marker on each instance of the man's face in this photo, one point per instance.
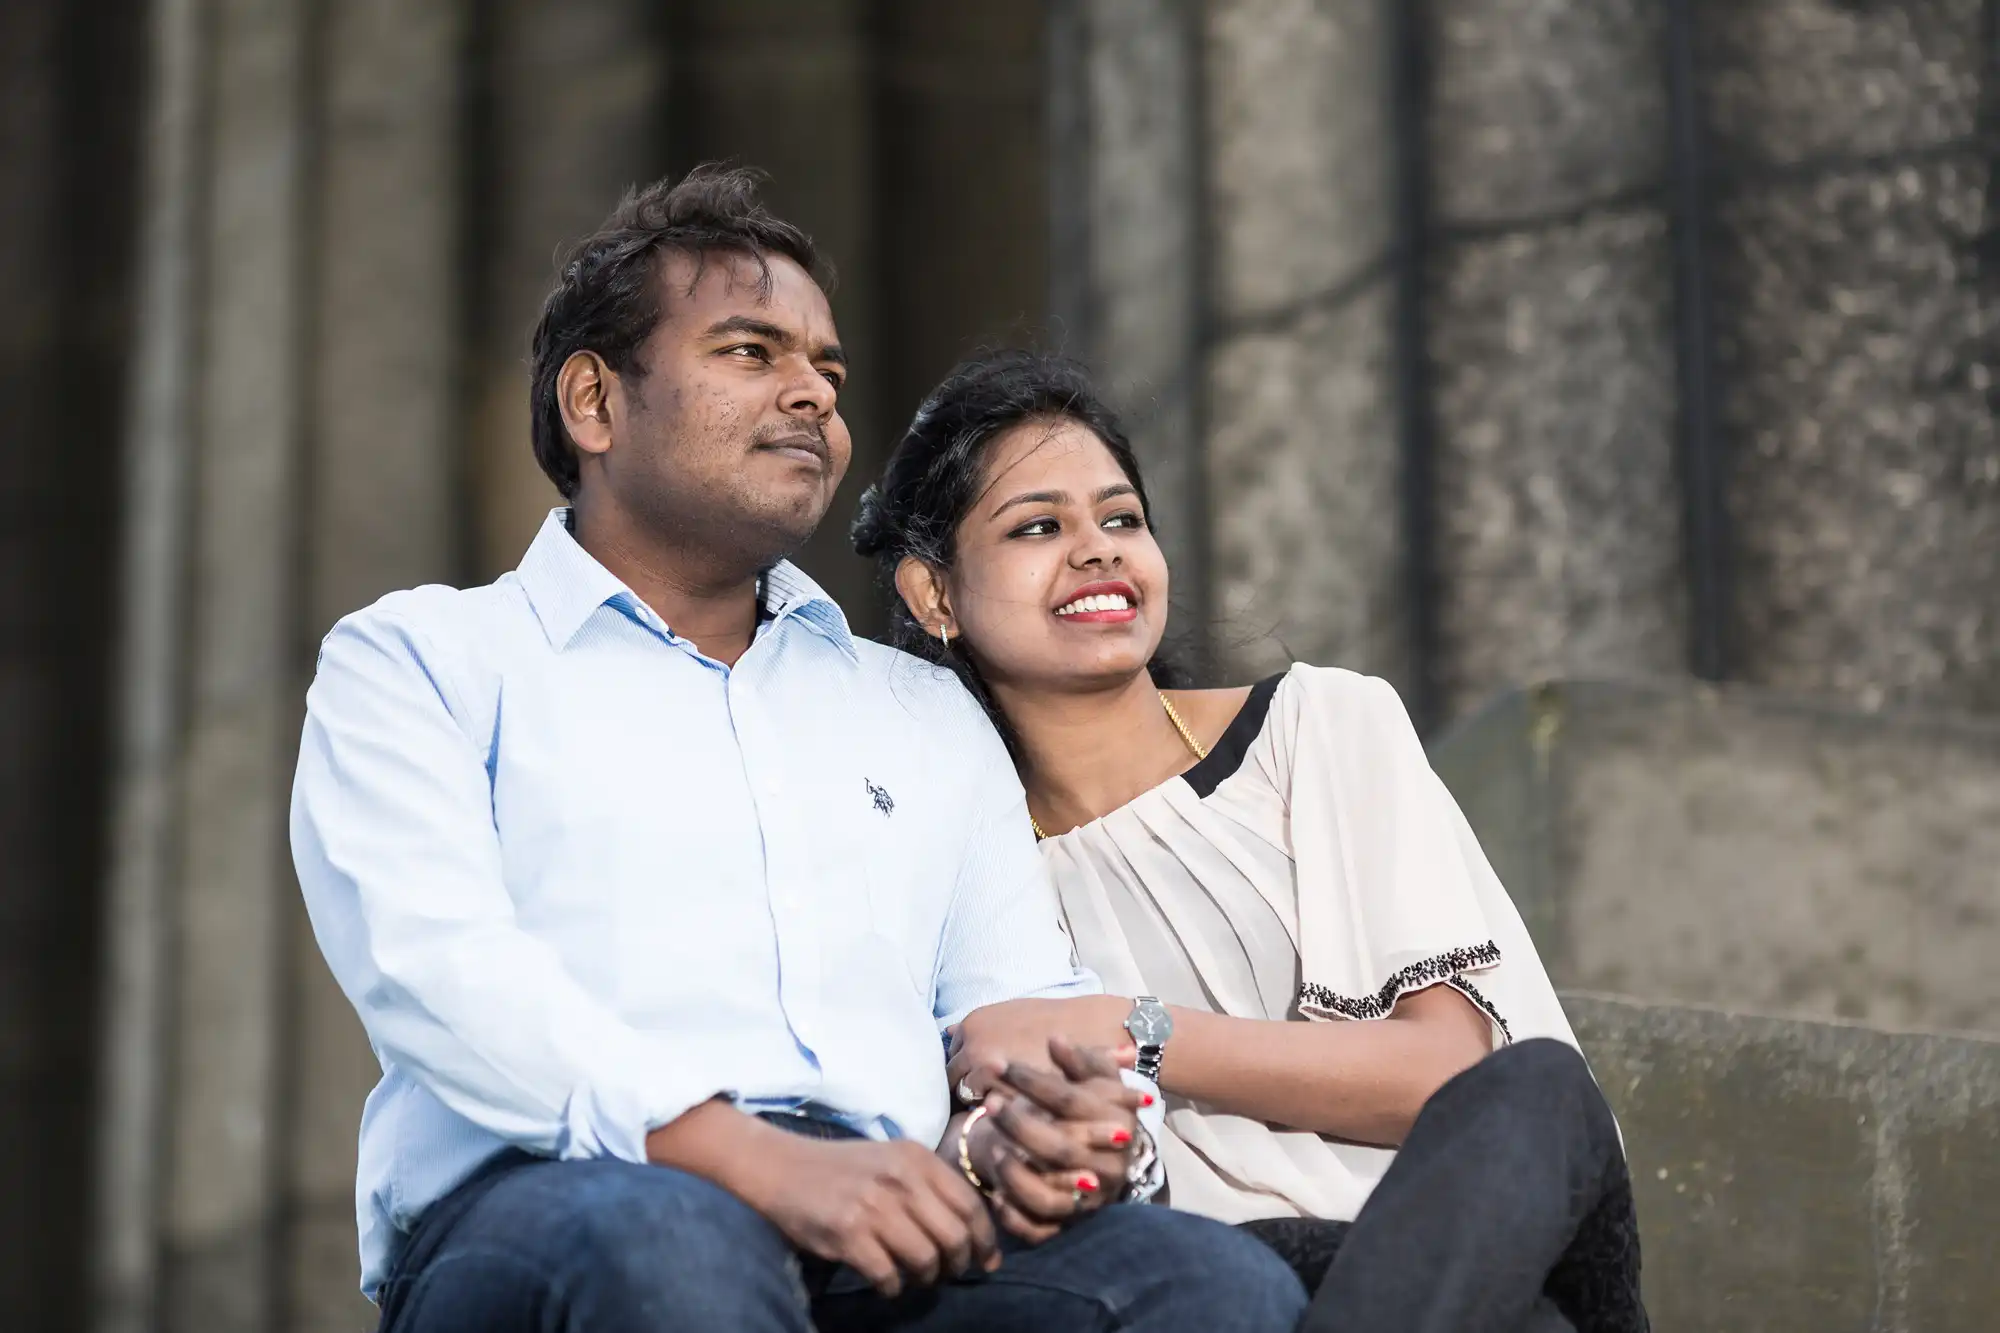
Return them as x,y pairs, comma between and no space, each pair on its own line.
730,439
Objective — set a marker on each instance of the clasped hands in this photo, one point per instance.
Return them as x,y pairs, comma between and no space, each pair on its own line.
1054,1143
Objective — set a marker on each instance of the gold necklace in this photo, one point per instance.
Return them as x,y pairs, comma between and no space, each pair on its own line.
1195,747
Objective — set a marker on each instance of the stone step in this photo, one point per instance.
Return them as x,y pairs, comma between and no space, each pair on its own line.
1795,1176
1735,847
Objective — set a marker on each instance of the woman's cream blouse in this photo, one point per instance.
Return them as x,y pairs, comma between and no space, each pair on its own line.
1314,868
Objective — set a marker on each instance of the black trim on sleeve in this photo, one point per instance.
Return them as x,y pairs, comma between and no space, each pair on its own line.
1230,748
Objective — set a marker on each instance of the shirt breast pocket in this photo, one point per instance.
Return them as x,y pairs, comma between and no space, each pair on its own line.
910,876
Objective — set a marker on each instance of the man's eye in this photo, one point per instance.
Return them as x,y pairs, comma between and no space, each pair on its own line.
831,378
749,350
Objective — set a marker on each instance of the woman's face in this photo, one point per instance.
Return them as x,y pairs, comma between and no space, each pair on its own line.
1058,580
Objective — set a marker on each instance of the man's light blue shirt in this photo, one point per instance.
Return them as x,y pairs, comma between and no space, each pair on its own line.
578,878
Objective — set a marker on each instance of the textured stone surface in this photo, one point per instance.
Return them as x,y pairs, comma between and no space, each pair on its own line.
1303,467
1737,848
1789,80
322,1281
1858,339
964,187
1946,1174
386,421
1542,105
1797,1177
552,152
1125,263
221,1197
1558,517
1299,138
384,509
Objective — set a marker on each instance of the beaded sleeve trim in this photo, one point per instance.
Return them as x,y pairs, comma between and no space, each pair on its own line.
1485,1006
1448,967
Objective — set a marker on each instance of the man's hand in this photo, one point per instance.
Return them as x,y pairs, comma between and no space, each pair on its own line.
1018,1031
889,1211
1055,1143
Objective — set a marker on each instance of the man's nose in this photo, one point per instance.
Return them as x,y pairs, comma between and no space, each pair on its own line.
809,393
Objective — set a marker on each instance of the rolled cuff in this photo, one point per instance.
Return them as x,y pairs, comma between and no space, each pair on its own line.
614,1122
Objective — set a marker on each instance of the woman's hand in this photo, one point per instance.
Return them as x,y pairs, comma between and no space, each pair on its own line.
1054,1143
1018,1032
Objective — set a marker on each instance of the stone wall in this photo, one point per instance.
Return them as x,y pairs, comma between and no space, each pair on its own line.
1797,1177
1550,318
1448,434
1739,848
1858,333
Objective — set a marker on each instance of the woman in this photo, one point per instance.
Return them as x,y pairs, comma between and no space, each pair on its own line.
1367,1063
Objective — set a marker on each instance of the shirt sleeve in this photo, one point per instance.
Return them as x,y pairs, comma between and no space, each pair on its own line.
1004,938
399,861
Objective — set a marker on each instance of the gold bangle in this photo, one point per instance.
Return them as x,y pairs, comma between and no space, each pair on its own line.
965,1149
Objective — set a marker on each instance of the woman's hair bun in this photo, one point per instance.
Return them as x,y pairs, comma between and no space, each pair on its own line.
870,532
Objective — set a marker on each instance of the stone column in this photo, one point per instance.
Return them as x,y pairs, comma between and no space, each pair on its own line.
68,119
1550,319
384,505
234,885
1126,263
159,446
572,113
1858,336
749,78
1304,461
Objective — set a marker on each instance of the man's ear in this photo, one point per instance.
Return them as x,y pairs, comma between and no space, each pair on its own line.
584,390
923,591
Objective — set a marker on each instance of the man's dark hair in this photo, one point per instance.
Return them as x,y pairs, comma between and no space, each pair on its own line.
608,298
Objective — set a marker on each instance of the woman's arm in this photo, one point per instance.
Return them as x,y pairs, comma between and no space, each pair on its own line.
1363,1081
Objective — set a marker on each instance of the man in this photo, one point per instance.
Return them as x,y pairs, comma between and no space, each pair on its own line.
655,888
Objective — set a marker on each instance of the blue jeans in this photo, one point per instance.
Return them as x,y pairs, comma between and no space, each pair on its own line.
610,1247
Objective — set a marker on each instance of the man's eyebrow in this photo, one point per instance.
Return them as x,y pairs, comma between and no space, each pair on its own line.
771,333
750,324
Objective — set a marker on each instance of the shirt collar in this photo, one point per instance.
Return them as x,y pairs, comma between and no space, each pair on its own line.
565,586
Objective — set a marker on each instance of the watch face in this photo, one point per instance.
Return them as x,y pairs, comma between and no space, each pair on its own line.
1150,1024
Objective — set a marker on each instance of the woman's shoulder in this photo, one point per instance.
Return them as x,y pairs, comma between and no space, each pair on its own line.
1324,704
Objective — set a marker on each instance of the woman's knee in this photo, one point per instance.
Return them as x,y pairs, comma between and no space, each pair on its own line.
1548,1076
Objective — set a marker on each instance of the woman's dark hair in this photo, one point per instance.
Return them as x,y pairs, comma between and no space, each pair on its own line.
938,469
607,299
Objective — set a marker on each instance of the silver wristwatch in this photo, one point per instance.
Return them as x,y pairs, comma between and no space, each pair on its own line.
1150,1025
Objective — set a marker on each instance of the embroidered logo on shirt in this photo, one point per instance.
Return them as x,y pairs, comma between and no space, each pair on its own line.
880,795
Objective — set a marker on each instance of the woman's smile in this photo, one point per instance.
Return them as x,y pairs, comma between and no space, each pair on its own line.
1107,603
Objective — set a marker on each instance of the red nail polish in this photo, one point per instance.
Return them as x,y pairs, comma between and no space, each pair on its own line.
1120,1137
1145,1099
1088,1184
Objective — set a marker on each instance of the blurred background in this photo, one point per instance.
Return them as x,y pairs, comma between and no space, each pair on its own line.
1614,376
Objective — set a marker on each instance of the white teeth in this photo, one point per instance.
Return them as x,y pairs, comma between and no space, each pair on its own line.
1101,602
